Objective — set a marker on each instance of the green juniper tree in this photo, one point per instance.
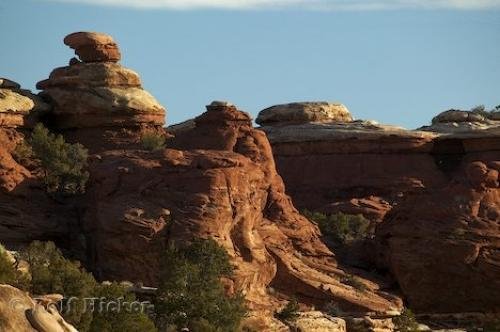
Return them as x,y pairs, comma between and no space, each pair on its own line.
191,293
63,164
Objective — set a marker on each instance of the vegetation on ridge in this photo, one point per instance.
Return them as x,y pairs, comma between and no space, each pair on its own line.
152,141
289,312
51,273
342,228
63,164
406,322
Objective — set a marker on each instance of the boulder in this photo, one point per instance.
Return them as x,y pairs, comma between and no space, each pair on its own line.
20,313
5,83
93,46
458,116
316,321
304,112
466,122
14,107
369,324
18,107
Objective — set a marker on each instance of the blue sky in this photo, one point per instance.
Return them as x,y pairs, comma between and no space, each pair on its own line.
394,61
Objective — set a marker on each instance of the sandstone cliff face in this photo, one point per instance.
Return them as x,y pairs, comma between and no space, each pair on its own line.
217,180
356,167
26,213
439,189
443,245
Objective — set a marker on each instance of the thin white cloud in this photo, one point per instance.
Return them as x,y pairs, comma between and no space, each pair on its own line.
302,4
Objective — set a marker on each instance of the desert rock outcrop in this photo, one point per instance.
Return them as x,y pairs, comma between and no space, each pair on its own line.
354,167
18,106
304,112
216,180
470,122
434,194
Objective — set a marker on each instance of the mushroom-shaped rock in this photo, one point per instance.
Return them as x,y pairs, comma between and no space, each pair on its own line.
93,46
304,112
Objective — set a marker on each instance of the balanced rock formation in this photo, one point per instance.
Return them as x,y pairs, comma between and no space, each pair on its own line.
93,46
305,112
99,97
216,180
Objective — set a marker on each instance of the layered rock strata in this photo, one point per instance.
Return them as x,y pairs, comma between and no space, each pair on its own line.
355,167
434,193
217,180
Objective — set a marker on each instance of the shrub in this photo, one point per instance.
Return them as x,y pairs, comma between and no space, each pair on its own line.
152,141
191,292
406,322
9,274
343,228
480,109
289,312
492,326
353,281
63,163
333,309
23,153
126,319
7,269
52,273
202,325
